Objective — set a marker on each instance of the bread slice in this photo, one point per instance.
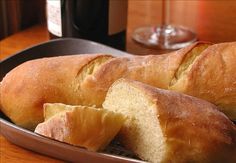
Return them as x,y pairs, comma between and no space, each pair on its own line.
82,126
165,126
51,109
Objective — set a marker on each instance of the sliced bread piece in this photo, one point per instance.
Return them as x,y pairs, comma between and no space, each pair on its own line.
165,126
82,126
51,109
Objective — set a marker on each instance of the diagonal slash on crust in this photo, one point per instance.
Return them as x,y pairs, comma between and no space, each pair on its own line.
188,60
90,68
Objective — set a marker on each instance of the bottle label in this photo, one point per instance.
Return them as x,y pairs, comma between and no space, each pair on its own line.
54,17
117,16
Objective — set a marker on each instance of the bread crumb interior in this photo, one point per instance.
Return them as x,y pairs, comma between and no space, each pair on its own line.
141,132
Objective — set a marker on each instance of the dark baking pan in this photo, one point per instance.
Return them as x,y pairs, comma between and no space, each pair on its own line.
28,139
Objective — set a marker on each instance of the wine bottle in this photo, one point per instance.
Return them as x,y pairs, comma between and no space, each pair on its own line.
102,21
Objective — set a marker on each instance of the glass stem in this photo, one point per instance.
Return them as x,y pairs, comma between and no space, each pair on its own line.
165,13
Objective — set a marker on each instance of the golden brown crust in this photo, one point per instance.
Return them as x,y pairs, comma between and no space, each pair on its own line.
194,129
95,86
213,77
59,79
27,87
154,70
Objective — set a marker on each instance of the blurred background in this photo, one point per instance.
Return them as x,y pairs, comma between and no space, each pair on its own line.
17,15
212,20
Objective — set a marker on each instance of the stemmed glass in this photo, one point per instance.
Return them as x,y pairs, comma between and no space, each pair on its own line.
165,36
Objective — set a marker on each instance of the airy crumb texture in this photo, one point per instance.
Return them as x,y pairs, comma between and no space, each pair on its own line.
82,126
165,126
138,134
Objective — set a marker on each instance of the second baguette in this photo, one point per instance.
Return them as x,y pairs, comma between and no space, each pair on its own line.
166,126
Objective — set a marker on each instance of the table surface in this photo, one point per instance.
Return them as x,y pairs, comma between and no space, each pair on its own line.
213,21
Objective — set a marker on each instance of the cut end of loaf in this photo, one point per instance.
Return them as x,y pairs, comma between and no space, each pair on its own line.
137,134
165,126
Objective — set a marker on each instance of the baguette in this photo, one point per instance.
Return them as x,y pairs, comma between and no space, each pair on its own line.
203,70
49,80
166,126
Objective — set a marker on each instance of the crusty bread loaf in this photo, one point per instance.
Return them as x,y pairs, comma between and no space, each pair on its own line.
82,126
166,126
201,69
211,76
49,80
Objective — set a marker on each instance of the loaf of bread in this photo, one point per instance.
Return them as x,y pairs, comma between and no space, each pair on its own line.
166,126
26,88
82,126
201,69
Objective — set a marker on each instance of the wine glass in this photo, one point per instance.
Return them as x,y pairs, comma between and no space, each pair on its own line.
165,36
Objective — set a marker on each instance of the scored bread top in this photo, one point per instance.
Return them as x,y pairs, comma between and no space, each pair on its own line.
57,79
85,79
211,76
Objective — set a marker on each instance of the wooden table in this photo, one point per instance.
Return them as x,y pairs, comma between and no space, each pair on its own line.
213,21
